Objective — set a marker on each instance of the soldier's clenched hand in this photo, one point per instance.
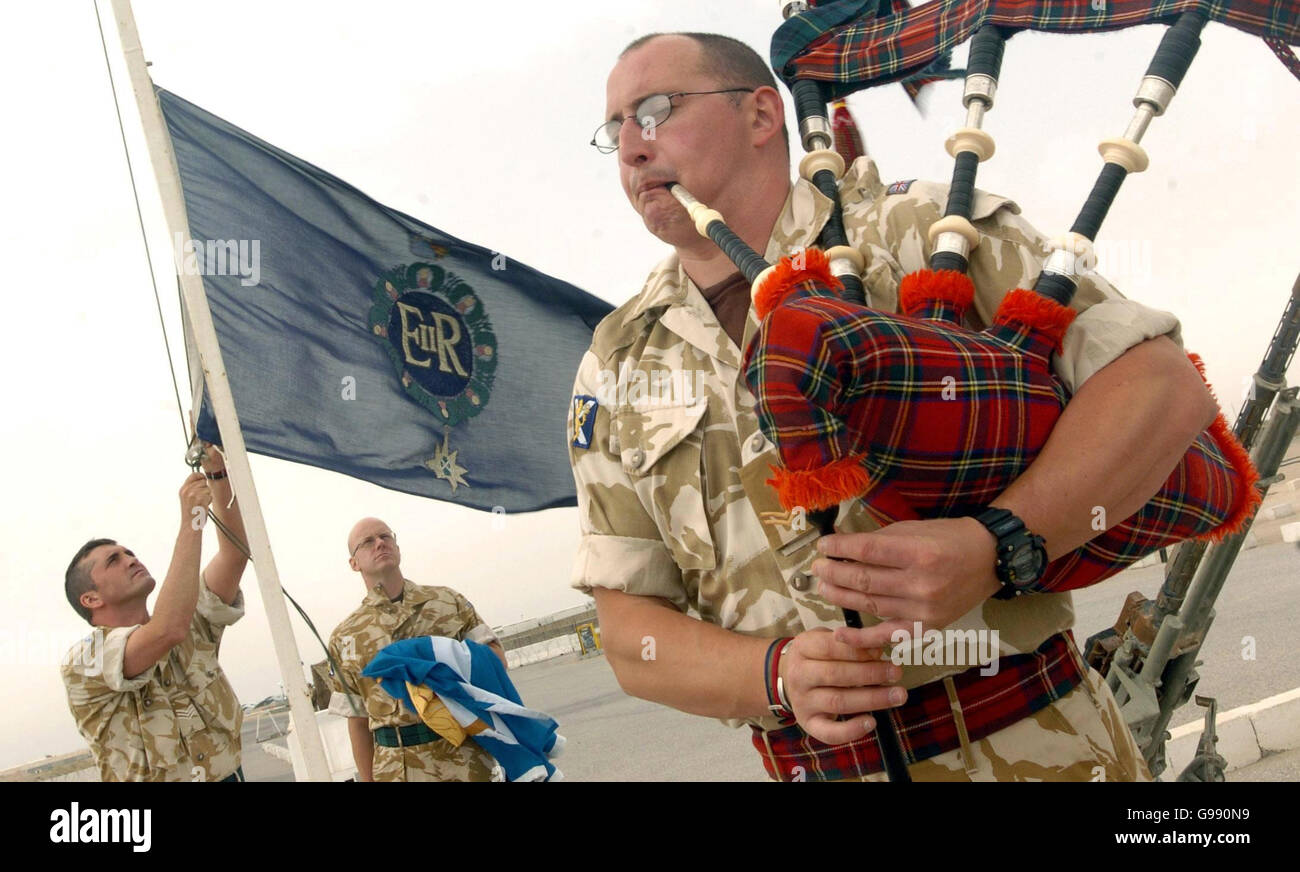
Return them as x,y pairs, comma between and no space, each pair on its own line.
194,494
825,679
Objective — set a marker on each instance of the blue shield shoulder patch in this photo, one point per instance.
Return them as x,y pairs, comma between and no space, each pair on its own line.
584,420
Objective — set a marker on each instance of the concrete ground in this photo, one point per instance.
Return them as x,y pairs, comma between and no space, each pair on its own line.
258,764
1284,766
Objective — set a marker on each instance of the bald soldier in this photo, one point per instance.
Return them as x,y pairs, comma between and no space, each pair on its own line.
710,598
146,689
390,742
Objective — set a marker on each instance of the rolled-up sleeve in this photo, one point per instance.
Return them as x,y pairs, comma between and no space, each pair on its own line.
476,629
635,566
346,705
217,612
342,702
1108,325
1011,254
113,666
621,547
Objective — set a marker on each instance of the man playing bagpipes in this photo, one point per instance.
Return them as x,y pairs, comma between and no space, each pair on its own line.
710,595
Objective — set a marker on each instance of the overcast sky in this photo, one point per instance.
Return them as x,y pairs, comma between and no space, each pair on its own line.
480,127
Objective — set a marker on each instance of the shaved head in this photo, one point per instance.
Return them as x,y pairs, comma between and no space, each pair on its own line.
363,528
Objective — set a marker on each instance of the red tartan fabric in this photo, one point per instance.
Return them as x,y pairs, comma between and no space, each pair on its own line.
1286,55
874,51
1022,685
848,140
942,420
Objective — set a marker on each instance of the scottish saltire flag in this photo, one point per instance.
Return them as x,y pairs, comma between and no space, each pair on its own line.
359,340
477,691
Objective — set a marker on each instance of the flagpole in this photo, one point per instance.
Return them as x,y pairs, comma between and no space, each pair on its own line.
223,403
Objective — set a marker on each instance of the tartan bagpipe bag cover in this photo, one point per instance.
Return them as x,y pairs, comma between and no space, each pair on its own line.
922,418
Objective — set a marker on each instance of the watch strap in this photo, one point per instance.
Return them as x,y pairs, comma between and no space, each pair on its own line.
1011,535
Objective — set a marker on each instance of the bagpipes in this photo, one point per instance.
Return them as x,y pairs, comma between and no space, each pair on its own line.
918,416
922,418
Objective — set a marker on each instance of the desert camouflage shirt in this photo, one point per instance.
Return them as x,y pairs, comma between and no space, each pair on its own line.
670,463
377,622
179,720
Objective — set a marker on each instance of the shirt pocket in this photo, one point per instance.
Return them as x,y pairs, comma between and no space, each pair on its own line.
204,696
200,666
660,449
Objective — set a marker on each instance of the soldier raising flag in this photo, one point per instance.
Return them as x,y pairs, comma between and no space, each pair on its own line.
146,689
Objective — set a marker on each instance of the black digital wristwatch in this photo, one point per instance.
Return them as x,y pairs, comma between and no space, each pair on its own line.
1021,557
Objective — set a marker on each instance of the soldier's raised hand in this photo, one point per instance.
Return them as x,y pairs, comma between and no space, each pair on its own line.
195,497
214,462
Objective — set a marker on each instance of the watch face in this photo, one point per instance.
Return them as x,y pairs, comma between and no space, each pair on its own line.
1025,564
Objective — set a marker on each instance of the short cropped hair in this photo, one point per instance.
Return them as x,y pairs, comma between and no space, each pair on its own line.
727,61
76,580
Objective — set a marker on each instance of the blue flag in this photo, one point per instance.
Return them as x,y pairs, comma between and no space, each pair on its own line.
359,340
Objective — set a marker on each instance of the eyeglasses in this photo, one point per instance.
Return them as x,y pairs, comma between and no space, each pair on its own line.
652,111
370,541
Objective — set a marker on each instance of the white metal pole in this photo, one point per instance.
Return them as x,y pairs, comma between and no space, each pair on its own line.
223,403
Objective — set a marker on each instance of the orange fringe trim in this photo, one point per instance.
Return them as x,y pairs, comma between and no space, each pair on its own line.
778,284
1249,498
920,288
822,488
1046,316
